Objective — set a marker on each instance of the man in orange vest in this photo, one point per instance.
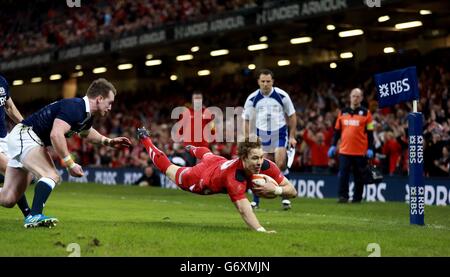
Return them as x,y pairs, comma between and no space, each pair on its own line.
354,127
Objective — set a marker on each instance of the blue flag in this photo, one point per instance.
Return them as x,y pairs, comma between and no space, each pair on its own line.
397,86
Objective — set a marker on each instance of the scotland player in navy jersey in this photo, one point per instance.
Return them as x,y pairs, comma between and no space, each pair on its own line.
266,109
50,126
7,107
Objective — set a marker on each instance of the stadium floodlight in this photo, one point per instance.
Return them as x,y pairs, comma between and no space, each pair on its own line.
351,33
283,62
195,49
406,25
388,50
78,67
346,55
251,66
383,18
173,77
17,82
219,52
36,79
204,72
186,57
99,70
333,65
55,77
256,47
301,40
125,66
425,12
263,38
153,62
149,56
331,27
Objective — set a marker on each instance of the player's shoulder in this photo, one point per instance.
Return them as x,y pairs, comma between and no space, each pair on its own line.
267,164
72,101
72,106
252,95
280,91
4,83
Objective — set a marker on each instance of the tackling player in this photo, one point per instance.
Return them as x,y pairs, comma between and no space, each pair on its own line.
50,126
215,174
7,106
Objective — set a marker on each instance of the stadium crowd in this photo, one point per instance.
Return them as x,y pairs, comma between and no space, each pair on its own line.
46,25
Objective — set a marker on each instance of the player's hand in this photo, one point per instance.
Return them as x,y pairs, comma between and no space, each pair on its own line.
266,191
120,142
331,151
292,142
75,170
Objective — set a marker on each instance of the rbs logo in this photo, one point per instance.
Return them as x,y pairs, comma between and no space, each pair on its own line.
394,88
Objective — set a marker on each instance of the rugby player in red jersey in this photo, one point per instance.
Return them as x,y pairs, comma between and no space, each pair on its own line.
215,174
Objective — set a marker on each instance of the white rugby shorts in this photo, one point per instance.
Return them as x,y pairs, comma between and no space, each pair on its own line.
20,141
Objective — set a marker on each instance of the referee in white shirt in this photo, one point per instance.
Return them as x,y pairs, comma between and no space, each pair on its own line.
265,111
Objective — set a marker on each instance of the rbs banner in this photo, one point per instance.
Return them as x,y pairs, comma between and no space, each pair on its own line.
397,86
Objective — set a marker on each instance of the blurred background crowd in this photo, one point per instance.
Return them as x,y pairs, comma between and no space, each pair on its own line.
316,101
46,25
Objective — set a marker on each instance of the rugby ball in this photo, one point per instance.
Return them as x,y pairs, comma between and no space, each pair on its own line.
260,179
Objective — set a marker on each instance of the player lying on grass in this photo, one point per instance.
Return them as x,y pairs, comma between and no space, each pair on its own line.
216,174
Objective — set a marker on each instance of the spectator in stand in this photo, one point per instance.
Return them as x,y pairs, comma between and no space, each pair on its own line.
319,148
443,164
197,123
149,178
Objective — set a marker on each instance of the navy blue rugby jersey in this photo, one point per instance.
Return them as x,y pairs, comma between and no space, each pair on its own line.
71,110
4,95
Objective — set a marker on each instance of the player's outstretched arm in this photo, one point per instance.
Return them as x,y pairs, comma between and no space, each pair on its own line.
249,217
289,190
93,136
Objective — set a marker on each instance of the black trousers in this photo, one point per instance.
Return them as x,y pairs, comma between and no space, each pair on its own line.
358,164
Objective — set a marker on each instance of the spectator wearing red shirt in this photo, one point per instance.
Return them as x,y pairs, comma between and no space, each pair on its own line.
393,150
319,150
197,124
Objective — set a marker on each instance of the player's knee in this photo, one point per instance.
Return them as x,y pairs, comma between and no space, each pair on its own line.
55,177
8,201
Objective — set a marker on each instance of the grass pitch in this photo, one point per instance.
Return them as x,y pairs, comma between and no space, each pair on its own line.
141,221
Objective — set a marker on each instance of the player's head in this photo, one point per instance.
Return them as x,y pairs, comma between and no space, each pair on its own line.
251,153
356,97
103,93
265,80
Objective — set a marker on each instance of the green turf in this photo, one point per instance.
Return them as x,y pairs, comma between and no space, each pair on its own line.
142,221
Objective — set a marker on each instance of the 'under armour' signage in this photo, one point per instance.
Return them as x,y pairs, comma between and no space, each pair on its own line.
397,86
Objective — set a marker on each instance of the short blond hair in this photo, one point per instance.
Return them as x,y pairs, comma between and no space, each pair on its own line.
247,145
